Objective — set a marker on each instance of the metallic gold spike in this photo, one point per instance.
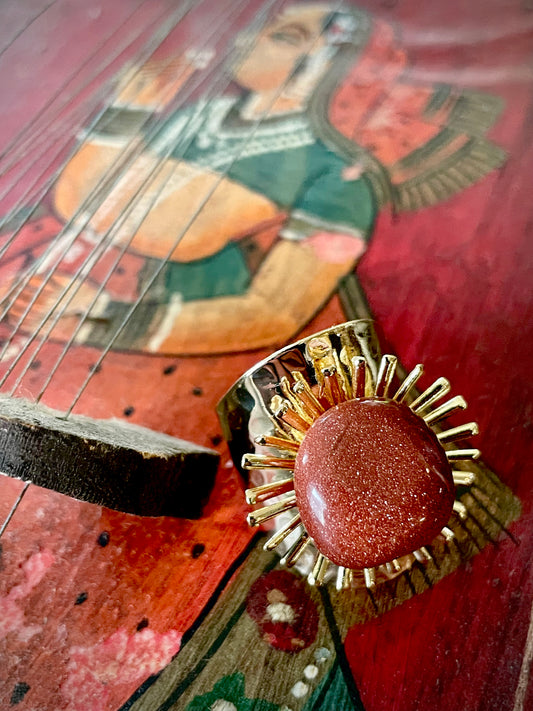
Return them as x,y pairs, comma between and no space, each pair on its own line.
266,491
448,534
422,554
332,387
452,435
256,518
370,578
455,455
439,389
320,567
309,400
278,442
281,535
344,578
282,409
358,376
456,403
319,350
386,371
294,400
319,347
409,383
296,550
460,509
461,478
342,377
396,564
266,461
389,568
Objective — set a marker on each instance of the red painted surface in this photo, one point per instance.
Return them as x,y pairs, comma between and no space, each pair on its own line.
450,286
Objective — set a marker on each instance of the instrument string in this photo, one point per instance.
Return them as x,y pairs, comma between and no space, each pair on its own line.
151,46
77,223
26,26
253,129
183,12
255,125
26,137
42,142
63,301
14,508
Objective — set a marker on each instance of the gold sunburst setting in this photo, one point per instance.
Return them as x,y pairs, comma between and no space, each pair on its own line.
296,411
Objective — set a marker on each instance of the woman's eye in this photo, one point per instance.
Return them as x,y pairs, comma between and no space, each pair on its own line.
286,37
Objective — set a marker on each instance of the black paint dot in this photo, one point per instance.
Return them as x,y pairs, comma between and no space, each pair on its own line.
81,598
169,369
197,391
35,365
103,539
216,440
142,624
19,692
120,270
129,410
197,550
94,368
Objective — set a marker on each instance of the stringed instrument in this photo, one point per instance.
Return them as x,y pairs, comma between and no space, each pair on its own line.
183,189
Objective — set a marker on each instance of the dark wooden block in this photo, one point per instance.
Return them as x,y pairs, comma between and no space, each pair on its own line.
107,462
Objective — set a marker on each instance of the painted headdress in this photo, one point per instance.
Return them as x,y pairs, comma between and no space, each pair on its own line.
418,143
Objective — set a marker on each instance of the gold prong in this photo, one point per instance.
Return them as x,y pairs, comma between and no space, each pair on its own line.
387,368
309,400
294,400
277,442
296,550
256,518
460,509
358,376
455,455
344,578
370,578
439,389
396,564
320,567
281,535
332,387
461,432
265,461
409,383
461,478
282,409
319,350
266,491
448,534
422,554
456,403
342,375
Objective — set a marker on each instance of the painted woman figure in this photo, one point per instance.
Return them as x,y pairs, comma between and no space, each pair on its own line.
262,202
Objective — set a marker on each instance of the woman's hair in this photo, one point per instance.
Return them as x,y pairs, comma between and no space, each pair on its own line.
346,33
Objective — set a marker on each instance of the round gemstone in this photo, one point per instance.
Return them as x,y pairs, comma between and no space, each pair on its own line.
372,483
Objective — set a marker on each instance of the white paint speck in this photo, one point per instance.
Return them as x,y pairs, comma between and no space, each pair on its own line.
280,612
300,689
311,671
222,705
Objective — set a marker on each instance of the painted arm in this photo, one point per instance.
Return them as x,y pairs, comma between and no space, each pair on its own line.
293,282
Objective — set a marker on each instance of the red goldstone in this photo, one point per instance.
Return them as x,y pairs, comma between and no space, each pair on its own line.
372,483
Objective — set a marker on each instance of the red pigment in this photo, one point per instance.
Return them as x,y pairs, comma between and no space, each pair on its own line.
372,483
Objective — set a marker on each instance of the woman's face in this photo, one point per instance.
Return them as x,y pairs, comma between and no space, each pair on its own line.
278,48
